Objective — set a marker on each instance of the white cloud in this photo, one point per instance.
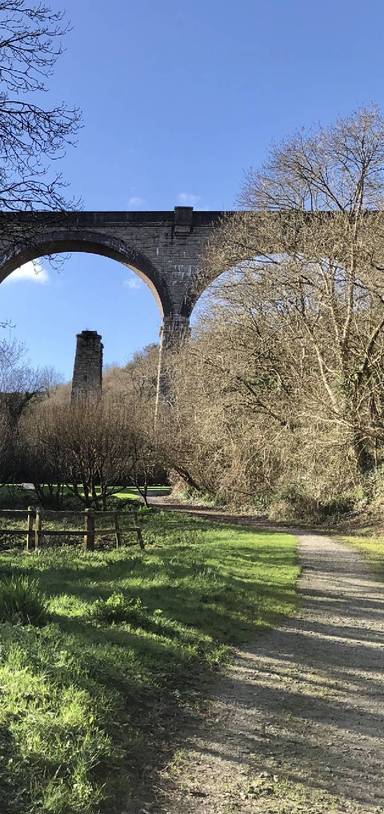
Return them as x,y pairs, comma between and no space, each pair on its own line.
135,202
188,199
34,272
132,282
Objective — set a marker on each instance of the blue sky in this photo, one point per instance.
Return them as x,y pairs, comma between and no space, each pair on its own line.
179,99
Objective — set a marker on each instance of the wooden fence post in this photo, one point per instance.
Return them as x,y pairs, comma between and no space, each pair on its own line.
89,530
30,535
117,530
38,527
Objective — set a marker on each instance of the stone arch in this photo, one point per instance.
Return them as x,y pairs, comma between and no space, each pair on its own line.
204,282
195,294
71,240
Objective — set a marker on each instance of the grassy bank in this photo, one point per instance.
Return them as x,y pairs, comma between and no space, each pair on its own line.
88,697
372,548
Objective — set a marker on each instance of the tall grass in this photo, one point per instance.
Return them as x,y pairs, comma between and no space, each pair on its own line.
22,601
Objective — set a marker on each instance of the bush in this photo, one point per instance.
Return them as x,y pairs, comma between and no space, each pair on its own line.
21,602
294,503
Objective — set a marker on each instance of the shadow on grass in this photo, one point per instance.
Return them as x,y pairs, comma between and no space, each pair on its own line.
212,590
228,598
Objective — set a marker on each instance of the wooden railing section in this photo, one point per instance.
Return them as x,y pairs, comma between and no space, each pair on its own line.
35,517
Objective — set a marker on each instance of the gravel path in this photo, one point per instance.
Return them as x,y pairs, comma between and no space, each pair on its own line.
297,723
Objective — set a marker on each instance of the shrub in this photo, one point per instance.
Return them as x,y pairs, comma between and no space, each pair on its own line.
294,503
21,601
339,505
117,609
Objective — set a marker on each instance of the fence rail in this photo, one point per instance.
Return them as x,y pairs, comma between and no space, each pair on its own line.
35,532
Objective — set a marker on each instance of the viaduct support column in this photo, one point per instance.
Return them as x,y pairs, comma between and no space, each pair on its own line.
173,332
87,373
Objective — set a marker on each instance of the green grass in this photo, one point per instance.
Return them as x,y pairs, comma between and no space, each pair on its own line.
87,699
13,495
373,548
131,493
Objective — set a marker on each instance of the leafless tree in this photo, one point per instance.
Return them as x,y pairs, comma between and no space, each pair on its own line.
20,387
93,446
137,380
288,358
32,134
20,383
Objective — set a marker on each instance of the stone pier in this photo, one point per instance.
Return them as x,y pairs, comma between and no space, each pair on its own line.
88,368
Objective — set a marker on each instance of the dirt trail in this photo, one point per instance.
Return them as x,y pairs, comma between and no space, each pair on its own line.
297,723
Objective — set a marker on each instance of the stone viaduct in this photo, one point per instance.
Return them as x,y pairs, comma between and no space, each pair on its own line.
164,248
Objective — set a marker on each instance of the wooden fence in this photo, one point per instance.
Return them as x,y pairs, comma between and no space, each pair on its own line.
34,518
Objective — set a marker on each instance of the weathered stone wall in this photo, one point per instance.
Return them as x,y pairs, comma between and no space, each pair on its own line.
88,367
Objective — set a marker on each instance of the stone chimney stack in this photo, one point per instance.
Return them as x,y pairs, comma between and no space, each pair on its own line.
88,368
